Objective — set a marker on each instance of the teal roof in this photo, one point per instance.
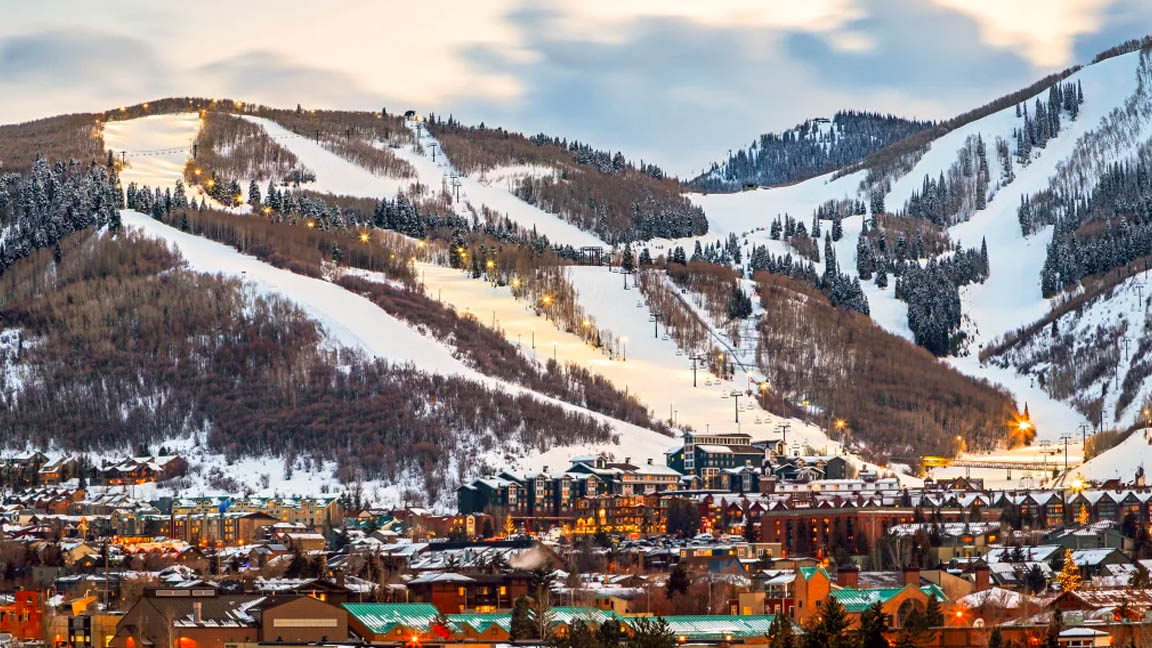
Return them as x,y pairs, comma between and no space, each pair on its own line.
808,572
717,627
858,600
480,622
570,615
382,618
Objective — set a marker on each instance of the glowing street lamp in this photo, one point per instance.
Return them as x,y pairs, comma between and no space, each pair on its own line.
546,299
267,210
311,224
211,183
196,172
364,237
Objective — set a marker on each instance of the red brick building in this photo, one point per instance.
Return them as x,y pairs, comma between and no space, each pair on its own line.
21,618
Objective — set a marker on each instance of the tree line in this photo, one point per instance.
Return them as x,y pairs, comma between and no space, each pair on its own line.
607,195
812,148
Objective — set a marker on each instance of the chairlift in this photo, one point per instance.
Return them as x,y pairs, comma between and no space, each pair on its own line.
679,352
724,395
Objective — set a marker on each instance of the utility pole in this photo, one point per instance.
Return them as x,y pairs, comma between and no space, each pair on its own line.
656,317
695,358
433,146
1066,438
1126,341
1083,434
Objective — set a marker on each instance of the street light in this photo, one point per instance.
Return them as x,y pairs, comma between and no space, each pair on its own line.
363,237
546,299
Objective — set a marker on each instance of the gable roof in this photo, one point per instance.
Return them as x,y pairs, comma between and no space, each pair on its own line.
382,618
858,600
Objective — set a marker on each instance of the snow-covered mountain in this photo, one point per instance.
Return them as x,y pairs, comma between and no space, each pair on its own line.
942,242
1073,358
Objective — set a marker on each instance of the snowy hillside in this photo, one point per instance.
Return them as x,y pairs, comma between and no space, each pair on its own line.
353,321
1010,297
1122,461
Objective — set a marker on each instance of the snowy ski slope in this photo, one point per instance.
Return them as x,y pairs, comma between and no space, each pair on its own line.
156,147
1011,297
355,322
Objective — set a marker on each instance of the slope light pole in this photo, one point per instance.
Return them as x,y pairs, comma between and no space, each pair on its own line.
656,317
736,396
695,358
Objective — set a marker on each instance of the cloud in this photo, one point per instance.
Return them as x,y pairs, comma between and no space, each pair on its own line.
57,58
271,78
52,72
680,91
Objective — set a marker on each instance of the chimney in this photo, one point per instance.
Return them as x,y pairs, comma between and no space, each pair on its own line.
982,580
198,612
545,471
848,576
912,576
338,574
628,460
649,461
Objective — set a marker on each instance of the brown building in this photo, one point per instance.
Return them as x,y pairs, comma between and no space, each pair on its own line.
809,531
301,619
454,593
188,618
203,618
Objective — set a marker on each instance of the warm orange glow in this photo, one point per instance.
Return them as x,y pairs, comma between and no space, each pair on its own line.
587,323
1024,425
267,210
491,264
515,283
311,224
840,424
547,299
211,183
363,237
145,106
196,172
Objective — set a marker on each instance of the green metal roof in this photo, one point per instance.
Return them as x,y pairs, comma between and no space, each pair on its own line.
570,615
858,600
718,626
808,572
480,622
382,618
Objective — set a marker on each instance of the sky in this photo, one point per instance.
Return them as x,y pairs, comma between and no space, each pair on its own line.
674,82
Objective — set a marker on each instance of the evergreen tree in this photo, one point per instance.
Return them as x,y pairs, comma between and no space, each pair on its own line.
254,195
522,625
678,581
837,229
780,633
651,632
1069,577
739,305
627,263
873,627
